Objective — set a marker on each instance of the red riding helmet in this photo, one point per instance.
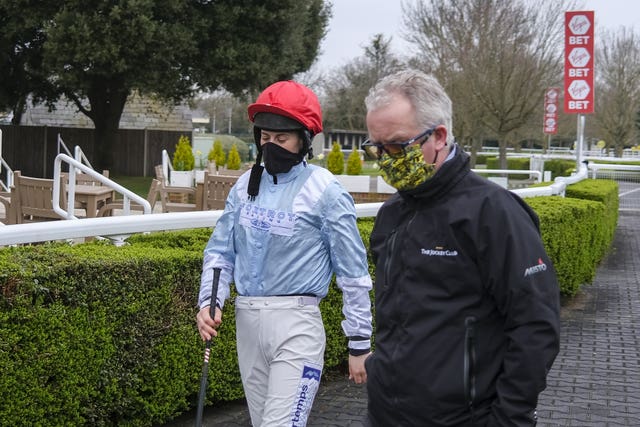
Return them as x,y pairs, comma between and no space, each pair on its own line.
292,100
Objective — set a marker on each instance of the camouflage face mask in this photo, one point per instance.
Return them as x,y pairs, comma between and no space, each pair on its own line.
407,172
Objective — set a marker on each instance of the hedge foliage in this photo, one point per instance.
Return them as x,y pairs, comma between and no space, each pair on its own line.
578,229
515,163
559,167
99,335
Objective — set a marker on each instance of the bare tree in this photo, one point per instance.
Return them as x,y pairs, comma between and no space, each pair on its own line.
618,88
500,54
347,87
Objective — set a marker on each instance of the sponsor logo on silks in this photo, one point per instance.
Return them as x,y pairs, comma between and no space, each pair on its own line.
541,266
269,220
309,382
438,251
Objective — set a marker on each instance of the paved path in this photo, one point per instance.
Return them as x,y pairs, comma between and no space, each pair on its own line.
595,380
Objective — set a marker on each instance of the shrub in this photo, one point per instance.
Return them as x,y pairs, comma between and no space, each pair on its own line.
233,160
354,163
183,159
559,167
335,160
570,229
216,154
513,163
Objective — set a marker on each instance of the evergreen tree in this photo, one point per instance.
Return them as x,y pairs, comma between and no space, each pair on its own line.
216,154
354,163
335,160
233,160
183,159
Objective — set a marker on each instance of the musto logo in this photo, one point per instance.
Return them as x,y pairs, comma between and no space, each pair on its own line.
306,393
536,268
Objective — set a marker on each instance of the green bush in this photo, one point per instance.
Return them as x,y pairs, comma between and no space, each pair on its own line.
569,228
216,154
578,230
513,163
354,163
98,335
233,160
481,159
183,159
335,160
606,192
559,167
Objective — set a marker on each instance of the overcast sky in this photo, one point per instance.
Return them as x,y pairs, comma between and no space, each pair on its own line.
355,22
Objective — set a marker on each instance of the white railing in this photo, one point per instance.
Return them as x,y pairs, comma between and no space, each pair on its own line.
8,183
80,157
74,165
78,154
537,174
61,145
166,166
557,188
596,167
117,228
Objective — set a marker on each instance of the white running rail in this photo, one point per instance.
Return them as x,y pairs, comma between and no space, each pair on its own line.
127,195
119,227
537,174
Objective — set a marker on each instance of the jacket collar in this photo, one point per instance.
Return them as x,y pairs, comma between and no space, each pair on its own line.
447,176
283,178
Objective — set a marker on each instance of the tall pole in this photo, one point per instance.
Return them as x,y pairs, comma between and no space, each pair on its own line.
580,140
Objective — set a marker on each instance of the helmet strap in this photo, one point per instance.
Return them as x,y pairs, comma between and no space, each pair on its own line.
306,143
254,179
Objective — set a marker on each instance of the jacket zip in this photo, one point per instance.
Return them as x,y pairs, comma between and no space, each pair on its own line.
387,262
470,364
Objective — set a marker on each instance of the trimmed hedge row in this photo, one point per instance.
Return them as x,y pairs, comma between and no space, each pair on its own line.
578,229
99,335
513,163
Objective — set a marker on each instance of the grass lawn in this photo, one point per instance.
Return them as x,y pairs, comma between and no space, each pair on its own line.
138,184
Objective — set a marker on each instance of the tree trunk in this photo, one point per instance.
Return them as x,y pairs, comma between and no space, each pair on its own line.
104,138
502,143
18,111
107,103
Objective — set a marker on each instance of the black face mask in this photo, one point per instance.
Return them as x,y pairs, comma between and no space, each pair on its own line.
279,160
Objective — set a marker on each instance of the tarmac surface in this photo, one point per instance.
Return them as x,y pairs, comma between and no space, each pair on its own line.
595,380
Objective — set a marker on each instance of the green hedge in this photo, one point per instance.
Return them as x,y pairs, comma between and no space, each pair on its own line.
99,335
559,167
578,230
515,163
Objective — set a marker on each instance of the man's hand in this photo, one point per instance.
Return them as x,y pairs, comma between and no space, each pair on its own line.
206,325
357,372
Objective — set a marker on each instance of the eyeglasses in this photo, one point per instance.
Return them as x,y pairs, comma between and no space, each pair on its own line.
394,149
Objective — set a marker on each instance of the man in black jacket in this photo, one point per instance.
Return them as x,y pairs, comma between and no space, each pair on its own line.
467,301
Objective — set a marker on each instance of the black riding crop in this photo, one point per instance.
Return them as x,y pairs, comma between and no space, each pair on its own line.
207,350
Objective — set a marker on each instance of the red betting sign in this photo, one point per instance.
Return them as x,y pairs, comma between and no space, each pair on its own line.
578,62
550,123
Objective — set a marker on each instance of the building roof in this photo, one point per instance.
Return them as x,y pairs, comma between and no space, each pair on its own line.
139,113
